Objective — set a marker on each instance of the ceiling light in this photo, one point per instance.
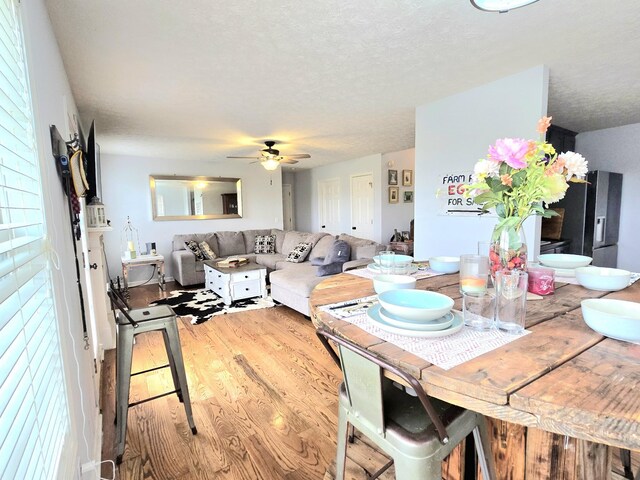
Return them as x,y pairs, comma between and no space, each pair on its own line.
501,6
270,163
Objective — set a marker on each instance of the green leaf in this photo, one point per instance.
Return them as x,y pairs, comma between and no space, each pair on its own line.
501,210
548,213
519,178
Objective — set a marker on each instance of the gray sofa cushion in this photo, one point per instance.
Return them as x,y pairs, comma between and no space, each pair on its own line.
293,238
250,238
361,247
269,260
279,238
180,239
321,247
230,243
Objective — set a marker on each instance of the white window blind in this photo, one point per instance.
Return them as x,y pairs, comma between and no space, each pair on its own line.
34,417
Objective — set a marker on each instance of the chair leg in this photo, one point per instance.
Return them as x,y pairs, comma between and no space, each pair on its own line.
175,350
625,457
341,452
124,356
483,448
417,469
172,364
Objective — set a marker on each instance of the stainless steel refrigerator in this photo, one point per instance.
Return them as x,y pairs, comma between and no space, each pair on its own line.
592,217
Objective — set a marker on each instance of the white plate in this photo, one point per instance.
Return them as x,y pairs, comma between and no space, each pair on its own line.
374,314
564,272
564,260
413,268
437,324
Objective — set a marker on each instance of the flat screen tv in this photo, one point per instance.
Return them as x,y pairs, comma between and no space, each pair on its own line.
93,165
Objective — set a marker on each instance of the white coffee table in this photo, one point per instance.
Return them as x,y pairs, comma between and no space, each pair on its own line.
238,283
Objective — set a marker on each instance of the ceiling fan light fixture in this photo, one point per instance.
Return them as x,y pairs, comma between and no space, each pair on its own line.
270,164
500,6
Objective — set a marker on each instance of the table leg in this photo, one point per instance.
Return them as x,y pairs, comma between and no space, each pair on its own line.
125,277
161,282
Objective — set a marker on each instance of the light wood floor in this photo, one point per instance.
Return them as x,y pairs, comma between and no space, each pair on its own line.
263,393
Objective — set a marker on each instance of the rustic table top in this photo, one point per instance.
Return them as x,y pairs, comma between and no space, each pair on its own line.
563,377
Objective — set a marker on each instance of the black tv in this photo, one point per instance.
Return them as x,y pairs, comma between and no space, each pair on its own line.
93,165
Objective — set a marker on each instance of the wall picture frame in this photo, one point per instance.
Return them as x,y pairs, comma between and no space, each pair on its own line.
407,178
393,177
394,194
408,196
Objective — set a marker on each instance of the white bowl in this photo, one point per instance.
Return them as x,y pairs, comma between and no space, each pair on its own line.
396,259
564,260
603,279
444,264
415,305
382,283
617,319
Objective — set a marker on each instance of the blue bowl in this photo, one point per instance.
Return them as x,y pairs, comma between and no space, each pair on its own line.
445,264
415,305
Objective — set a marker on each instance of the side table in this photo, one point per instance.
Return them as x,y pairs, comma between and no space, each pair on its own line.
405,248
140,261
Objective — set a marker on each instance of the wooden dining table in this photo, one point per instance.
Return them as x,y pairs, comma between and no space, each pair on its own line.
557,399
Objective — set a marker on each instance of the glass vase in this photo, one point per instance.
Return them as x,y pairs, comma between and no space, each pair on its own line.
508,249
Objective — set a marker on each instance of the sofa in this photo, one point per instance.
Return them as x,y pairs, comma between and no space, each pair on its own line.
291,283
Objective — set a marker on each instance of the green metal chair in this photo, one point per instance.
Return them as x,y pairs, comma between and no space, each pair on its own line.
415,431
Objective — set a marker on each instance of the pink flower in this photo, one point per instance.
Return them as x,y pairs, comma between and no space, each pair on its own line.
543,124
512,151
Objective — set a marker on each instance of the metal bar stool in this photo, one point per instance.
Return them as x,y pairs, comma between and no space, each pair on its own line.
416,432
132,322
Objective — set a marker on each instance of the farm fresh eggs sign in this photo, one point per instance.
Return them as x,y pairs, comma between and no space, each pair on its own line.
451,195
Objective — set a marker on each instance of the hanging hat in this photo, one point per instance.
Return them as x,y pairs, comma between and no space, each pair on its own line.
80,184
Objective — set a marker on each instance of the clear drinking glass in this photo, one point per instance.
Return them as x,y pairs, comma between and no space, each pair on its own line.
474,272
511,300
479,310
387,258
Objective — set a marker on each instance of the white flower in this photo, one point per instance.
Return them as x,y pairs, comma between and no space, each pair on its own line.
486,168
575,164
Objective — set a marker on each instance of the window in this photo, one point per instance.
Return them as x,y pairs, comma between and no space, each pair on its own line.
34,420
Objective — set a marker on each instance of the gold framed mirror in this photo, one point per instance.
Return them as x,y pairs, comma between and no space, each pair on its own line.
175,197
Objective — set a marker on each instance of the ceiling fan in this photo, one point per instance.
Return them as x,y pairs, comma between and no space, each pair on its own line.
270,158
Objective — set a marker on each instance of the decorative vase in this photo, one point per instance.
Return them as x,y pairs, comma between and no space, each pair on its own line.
508,249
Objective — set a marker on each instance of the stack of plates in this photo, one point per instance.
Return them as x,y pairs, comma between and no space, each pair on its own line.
564,264
441,327
416,313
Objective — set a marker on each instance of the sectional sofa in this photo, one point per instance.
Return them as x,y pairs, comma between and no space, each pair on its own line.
291,283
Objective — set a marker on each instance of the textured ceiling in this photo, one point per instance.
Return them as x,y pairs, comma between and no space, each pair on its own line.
208,78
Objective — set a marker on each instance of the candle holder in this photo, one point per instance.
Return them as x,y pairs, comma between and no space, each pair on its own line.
130,240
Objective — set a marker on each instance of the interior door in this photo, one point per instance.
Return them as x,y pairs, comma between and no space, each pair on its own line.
329,206
362,206
287,207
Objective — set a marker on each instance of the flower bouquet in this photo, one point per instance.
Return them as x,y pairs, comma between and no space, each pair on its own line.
519,178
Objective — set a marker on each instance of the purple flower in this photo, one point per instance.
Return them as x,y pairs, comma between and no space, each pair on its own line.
510,150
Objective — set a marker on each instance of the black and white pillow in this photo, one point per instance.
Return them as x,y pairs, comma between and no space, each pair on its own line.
207,251
193,246
299,252
265,244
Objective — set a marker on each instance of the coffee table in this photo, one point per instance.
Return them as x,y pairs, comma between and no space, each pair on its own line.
238,283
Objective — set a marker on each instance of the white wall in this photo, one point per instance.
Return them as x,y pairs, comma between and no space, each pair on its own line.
397,215
125,188
451,135
306,193
52,99
616,150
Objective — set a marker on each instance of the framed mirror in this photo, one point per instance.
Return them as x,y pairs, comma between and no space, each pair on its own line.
176,197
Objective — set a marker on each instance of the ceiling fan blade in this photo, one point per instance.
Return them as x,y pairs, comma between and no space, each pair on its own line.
299,155
285,160
254,158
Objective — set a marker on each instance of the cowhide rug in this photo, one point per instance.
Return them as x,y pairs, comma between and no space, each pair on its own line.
203,304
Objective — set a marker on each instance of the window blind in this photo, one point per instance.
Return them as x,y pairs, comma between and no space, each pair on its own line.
34,418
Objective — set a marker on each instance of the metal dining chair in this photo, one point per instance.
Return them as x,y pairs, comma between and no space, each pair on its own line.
132,322
416,432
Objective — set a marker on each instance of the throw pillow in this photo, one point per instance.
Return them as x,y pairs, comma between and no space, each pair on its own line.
299,252
331,269
193,246
265,244
207,251
337,255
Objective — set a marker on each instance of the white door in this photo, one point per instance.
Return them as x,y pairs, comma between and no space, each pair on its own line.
287,207
362,206
329,205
